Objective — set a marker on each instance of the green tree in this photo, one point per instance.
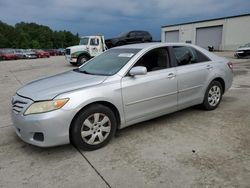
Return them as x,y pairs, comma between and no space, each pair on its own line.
32,35
35,44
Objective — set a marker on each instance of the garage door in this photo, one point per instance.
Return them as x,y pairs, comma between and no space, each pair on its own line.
172,36
209,36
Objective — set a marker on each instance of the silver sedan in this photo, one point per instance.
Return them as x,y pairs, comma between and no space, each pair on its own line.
121,87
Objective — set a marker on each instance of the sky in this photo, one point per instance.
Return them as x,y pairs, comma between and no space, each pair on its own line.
112,17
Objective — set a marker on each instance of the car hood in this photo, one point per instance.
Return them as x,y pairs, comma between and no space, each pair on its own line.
49,87
9,54
77,48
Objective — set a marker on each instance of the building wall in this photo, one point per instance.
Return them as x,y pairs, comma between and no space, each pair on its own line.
235,32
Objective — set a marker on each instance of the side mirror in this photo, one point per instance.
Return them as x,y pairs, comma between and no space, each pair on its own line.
139,70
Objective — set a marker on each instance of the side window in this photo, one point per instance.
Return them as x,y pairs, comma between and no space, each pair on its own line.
140,34
94,42
132,34
156,59
201,57
187,55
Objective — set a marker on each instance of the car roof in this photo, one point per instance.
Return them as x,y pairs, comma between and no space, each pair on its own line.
143,47
151,45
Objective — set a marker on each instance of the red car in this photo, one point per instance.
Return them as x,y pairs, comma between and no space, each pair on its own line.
7,54
52,52
41,53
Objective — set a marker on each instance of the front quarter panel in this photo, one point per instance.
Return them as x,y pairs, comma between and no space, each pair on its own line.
109,91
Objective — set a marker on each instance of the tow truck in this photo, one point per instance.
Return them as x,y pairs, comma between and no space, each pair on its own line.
89,47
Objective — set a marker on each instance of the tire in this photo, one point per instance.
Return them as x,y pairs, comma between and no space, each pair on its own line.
212,96
82,59
93,127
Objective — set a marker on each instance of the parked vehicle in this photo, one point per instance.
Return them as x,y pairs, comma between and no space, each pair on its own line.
29,54
89,46
52,52
7,54
243,51
61,51
19,53
41,53
122,86
129,38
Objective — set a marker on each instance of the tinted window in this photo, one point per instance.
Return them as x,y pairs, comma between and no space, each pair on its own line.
123,34
187,55
156,59
132,34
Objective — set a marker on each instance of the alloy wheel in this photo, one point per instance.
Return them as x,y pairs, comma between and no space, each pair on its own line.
214,95
96,128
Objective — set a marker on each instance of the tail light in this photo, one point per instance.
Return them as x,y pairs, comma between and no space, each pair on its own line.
230,65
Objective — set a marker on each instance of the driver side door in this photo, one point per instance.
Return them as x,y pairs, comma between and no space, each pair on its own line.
153,94
95,46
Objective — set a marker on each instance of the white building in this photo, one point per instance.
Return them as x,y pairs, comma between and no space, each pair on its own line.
226,33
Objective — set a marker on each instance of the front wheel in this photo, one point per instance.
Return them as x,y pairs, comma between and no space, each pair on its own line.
93,128
213,96
82,59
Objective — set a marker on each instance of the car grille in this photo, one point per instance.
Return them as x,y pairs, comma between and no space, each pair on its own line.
67,51
19,104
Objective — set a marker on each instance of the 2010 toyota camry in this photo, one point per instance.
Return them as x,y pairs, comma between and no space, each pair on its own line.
121,87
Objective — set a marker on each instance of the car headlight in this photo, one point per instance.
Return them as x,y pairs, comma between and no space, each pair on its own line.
74,55
45,106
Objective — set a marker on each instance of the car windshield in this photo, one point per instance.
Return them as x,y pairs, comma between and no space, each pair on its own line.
109,62
123,34
247,45
84,41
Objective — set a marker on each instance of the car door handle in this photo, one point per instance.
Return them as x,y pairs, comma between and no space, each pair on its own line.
171,75
209,67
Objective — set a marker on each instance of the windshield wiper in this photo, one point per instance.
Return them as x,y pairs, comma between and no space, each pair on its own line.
84,71
76,70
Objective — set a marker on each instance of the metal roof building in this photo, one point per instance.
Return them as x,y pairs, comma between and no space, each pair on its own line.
227,33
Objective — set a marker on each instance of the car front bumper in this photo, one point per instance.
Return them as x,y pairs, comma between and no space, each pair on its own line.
69,59
53,126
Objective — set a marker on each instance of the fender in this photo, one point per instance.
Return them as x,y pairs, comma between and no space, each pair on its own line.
78,53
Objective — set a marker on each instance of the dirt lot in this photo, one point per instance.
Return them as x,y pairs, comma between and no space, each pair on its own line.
190,148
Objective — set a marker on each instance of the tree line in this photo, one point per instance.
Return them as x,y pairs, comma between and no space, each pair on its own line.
33,36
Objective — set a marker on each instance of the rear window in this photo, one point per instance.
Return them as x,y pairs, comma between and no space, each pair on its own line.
187,55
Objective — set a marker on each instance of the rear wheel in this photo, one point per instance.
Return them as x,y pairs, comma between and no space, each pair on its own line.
213,96
93,128
82,59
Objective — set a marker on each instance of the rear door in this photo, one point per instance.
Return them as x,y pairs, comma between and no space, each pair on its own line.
193,70
153,94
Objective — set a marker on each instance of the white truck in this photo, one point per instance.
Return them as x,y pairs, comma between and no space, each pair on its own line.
89,46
